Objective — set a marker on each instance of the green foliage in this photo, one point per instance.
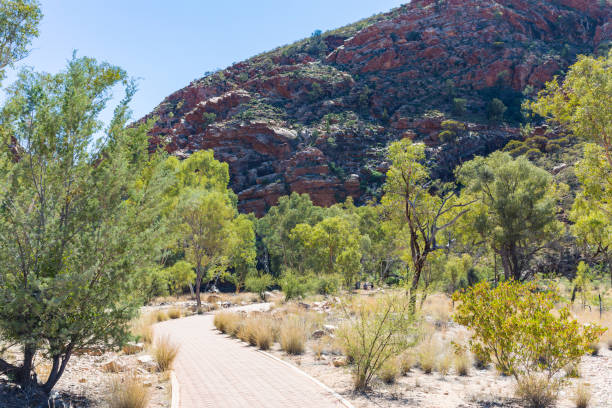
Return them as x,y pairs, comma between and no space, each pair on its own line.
519,329
417,215
258,283
19,21
293,285
515,211
180,275
459,106
581,103
209,118
496,109
81,220
374,334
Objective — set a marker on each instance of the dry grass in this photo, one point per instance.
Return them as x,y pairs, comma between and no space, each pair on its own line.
439,307
160,316
292,336
128,392
164,353
444,364
427,355
406,361
175,313
462,364
389,371
142,329
228,322
258,331
582,396
42,370
318,348
537,391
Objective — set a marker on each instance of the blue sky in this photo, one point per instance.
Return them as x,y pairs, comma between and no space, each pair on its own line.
167,44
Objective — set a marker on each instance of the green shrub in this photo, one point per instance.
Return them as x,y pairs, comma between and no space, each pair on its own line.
496,109
258,284
519,329
447,136
459,106
327,284
292,285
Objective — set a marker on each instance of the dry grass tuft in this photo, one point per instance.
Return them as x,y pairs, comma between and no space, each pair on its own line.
427,354
406,361
128,392
445,362
439,307
42,370
175,313
142,329
160,316
462,364
228,322
389,371
293,336
318,348
582,396
537,391
164,353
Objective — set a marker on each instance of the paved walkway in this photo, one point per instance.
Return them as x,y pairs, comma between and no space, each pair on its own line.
218,372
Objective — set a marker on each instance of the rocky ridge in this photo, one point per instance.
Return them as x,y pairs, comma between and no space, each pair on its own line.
315,116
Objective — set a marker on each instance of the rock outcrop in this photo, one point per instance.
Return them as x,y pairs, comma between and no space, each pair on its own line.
316,116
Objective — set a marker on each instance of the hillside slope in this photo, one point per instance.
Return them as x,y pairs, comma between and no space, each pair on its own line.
315,116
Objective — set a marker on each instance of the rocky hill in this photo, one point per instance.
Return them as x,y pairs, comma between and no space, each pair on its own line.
315,116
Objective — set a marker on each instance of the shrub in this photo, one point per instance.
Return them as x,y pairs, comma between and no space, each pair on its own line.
164,353
258,284
459,106
292,285
496,109
517,326
378,331
174,313
128,392
327,284
257,331
445,362
594,348
582,396
389,371
292,336
537,391
447,136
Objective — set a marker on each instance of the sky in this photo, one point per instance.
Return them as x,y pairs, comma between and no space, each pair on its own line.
167,44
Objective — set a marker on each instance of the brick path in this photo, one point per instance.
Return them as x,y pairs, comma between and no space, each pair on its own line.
215,371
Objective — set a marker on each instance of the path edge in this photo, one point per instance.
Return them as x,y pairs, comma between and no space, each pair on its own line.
339,397
174,385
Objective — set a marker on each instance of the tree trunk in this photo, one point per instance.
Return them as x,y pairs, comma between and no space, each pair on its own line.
198,284
418,267
59,365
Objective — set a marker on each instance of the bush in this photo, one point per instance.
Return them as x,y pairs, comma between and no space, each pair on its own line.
496,110
292,285
327,284
293,336
128,392
427,354
378,331
258,284
445,362
164,353
447,136
459,106
519,329
257,331
462,364
582,396
406,361
160,316
537,391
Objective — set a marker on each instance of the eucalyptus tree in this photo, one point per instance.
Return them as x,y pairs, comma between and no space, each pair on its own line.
420,213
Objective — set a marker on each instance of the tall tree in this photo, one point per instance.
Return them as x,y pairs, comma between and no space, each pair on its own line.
19,21
78,221
516,209
420,214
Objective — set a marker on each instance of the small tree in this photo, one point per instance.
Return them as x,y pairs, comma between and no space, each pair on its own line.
376,333
519,329
414,210
258,283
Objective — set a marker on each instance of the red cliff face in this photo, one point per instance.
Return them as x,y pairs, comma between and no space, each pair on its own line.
316,116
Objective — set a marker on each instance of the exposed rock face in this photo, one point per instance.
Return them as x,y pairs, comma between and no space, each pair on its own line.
316,116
